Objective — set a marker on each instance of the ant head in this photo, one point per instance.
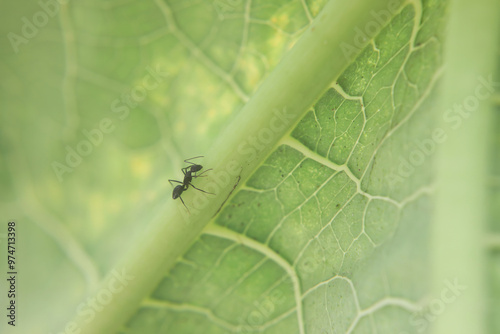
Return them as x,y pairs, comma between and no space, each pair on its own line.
177,191
196,168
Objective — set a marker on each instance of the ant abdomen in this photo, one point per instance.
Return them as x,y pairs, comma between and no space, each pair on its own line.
177,191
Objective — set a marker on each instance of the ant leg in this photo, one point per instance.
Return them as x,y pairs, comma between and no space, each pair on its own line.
201,174
206,192
184,204
186,169
189,162
174,181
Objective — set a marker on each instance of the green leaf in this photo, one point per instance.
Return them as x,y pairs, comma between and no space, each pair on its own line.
311,115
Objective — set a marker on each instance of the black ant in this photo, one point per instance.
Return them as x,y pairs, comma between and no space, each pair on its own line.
189,174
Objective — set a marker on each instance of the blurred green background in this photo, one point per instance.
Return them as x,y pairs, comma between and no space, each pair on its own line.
150,83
